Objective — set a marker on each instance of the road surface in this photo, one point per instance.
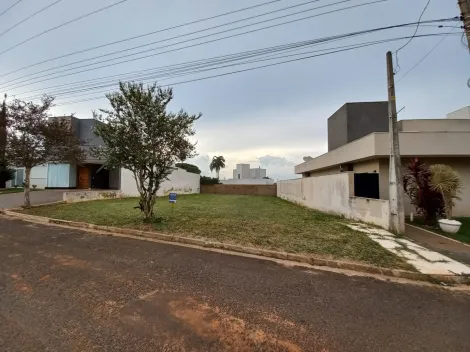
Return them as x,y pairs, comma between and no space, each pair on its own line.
68,290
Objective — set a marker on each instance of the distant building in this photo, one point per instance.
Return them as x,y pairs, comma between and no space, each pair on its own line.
244,175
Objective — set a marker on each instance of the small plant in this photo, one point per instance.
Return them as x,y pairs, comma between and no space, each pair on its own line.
448,183
34,186
16,186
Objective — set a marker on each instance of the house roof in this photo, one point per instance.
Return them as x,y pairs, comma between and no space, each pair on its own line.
423,138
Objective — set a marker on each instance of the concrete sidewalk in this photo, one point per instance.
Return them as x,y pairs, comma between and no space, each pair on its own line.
425,259
451,248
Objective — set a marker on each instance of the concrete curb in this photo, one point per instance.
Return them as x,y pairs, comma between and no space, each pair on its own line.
337,264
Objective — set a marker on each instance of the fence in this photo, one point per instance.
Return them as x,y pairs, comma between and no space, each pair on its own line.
251,190
335,194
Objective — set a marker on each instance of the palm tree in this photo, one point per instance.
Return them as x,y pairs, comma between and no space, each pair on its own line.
217,163
446,181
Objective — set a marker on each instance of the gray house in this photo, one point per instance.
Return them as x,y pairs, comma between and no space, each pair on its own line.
89,175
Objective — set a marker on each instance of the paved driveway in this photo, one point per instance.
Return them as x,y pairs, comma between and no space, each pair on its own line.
68,290
14,200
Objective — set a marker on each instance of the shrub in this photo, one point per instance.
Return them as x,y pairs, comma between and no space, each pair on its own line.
209,180
447,182
417,186
34,186
6,173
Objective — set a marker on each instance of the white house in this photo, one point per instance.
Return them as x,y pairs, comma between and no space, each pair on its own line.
244,175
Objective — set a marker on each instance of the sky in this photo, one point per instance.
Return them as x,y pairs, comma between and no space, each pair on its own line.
271,117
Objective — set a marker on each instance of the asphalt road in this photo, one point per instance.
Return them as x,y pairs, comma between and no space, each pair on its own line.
14,200
66,290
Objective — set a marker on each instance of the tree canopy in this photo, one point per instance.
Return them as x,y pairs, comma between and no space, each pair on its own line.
189,168
34,138
142,136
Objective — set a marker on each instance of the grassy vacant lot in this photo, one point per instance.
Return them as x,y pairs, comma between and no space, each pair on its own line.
267,222
463,235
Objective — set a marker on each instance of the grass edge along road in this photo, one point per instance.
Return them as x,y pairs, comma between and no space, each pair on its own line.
263,222
463,235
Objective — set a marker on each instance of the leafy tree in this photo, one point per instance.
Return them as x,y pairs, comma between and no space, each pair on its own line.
189,168
142,136
417,186
217,163
34,138
209,180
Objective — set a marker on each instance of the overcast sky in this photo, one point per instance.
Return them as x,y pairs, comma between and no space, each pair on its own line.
270,117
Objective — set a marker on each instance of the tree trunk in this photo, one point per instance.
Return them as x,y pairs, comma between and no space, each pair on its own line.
218,174
27,176
148,202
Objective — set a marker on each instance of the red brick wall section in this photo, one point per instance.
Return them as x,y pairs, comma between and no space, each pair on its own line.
250,190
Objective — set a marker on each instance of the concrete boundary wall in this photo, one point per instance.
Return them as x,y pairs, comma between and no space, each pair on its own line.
250,190
75,197
335,194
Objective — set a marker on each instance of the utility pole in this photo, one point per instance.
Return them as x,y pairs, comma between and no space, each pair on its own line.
465,14
395,186
3,135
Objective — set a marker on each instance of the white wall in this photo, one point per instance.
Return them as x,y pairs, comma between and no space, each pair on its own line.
180,181
334,194
463,113
248,182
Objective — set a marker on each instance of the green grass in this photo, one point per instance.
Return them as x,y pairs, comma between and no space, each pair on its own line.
266,222
15,190
10,190
463,235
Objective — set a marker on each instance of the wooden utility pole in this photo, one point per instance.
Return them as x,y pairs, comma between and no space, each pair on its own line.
465,13
396,193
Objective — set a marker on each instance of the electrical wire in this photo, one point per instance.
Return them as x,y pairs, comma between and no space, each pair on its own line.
224,58
62,25
168,39
9,8
177,49
140,36
29,17
427,54
345,48
397,69
170,45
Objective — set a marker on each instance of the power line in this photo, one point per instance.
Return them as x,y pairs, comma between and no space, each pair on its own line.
427,54
258,51
29,17
344,48
171,38
185,47
62,25
9,8
217,59
141,36
409,41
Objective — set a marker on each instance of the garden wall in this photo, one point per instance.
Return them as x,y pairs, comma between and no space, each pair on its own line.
335,194
250,190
